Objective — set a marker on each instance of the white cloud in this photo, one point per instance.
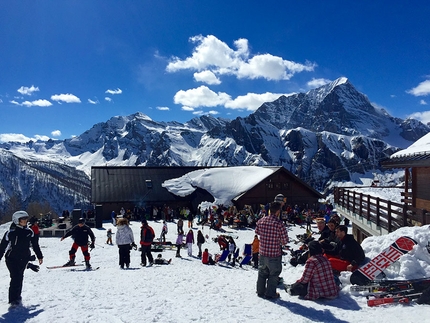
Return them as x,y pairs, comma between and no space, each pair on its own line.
423,102
67,98
17,137
163,108
424,116
272,68
201,97
113,92
198,113
252,101
24,90
93,102
213,112
422,89
56,133
314,83
108,99
205,97
207,77
36,103
211,54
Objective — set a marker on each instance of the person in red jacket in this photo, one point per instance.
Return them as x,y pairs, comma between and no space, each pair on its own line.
207,258
146,237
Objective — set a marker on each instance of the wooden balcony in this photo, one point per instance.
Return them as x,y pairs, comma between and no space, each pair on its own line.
379,213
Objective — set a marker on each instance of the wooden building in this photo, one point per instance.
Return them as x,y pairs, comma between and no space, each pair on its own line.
113,187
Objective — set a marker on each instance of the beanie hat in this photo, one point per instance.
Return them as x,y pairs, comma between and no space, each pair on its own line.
279,198
314,248
81,220
144,222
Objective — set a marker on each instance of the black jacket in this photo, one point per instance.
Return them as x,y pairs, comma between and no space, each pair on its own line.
81,234
349,249
16,244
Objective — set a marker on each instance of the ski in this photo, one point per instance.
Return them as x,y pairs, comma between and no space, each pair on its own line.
404,298
86,269
56,267
368,272
393,285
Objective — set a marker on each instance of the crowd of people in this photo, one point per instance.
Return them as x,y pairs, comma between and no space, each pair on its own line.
324,258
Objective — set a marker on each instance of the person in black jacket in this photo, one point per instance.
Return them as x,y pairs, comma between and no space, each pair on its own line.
349,255
16,245
80,234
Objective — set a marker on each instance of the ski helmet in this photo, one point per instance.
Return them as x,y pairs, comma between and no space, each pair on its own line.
19,215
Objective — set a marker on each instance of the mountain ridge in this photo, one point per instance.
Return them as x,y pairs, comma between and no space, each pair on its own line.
324,135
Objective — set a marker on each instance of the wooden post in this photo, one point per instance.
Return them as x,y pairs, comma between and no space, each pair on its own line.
378,220
389,216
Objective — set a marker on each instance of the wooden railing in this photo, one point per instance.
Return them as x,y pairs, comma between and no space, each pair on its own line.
384,213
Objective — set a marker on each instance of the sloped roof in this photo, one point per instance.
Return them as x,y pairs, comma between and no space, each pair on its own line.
416,155
119,184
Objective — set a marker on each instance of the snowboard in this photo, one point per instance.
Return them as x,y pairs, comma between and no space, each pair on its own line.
368,272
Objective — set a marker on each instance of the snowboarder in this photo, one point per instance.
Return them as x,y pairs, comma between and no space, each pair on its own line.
80,234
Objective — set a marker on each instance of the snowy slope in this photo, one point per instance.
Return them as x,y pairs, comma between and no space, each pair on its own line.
188,291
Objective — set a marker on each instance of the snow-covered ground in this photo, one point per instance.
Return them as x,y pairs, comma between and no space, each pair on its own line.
188,291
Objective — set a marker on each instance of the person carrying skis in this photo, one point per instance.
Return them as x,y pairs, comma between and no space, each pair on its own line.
146,238
16,244
80,234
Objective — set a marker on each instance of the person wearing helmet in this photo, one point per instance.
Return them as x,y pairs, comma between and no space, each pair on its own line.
80,234
15,245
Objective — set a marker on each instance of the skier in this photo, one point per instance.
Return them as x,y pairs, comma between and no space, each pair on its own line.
80,234
16,244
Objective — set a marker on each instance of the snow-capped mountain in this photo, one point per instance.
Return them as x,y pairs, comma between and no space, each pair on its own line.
328,134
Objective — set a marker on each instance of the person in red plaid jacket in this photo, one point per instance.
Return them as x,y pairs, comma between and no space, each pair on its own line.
317,280
273,235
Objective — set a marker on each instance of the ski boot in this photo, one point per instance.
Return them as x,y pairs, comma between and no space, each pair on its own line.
87,264
71,262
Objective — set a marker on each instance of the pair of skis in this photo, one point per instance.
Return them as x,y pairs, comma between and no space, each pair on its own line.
73,267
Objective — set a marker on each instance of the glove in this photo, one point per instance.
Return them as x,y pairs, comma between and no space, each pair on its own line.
33,267
92,245
134,246
32,258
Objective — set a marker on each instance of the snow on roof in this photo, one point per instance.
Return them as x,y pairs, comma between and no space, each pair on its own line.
222,183
420,146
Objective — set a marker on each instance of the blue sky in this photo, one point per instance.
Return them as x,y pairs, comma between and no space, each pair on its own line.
67,65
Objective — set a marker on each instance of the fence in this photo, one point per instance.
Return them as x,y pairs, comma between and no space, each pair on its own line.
384,213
